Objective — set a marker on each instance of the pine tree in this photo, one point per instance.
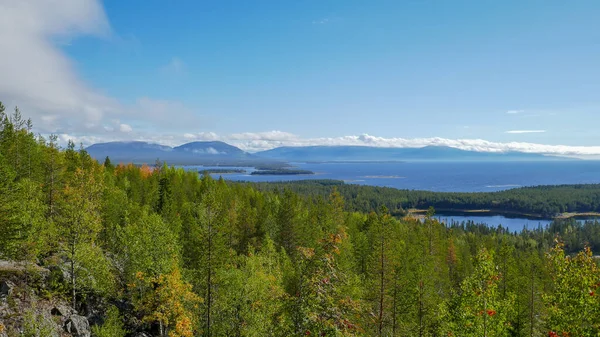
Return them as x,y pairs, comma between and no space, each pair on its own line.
205,249
53,175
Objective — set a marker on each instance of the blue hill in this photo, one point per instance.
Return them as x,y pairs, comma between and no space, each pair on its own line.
366,153
195,153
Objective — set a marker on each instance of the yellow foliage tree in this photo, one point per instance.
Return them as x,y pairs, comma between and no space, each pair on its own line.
168,300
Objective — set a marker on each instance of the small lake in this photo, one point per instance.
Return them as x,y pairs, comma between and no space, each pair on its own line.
513,224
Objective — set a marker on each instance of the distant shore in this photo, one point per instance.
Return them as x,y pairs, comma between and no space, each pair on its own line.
420,213
221,171
281,172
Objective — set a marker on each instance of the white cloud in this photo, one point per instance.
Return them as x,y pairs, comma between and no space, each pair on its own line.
513,112
37,75
261,141
254,142
125,128
35,72
202,136
525,131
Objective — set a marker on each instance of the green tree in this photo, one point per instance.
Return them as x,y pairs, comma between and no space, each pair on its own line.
205,247
21,216
79,223
573,305
321,306
479,309
149,246
113,325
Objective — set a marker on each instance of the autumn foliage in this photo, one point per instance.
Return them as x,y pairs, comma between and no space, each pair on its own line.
168,300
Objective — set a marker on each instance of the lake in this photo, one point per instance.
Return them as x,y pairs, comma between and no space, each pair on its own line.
447,177
513,224
442,176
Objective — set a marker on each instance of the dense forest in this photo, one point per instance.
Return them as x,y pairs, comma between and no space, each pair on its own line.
164,251
542,201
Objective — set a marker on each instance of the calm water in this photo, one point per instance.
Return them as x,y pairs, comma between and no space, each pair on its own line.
449,177
445,176
513,224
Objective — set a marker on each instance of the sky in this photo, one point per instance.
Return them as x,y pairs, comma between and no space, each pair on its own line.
481,74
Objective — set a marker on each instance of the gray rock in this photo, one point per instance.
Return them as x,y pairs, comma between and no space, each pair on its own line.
13,267
142,334
78,326
62,310
6,288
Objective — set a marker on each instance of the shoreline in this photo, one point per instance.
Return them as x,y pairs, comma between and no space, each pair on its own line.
420,213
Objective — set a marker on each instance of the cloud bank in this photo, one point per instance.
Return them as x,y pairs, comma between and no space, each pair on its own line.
253,142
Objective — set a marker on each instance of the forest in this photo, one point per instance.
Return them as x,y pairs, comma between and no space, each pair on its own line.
540,201
166,252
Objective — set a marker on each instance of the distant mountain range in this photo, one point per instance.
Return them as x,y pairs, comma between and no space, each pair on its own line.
365,153
220,153
195,153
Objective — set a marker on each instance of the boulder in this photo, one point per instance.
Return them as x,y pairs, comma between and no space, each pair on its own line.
62,310
6,288
78,326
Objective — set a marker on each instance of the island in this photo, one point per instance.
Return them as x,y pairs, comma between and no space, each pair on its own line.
221,171
281,172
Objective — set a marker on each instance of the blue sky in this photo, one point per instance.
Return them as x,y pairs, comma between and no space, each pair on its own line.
265,73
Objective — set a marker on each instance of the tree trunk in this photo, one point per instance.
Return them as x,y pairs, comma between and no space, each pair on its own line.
73,291
421,308
531,303
209,280
394,305
381,287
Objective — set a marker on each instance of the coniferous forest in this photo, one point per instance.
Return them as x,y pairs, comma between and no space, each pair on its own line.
158,251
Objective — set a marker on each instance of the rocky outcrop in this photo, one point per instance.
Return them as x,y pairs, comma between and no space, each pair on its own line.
62,310
25,310
22,310
18,268
142,334
78,326
6,288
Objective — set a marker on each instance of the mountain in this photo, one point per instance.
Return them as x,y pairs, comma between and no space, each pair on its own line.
223,154
195,153
211,148
367,153
136,152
